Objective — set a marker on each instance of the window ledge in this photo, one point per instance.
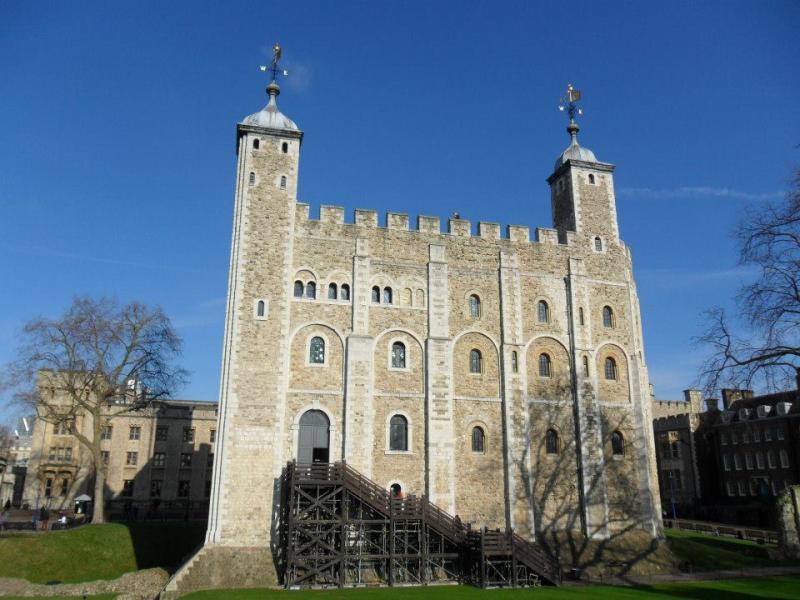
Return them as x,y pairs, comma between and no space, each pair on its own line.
398,452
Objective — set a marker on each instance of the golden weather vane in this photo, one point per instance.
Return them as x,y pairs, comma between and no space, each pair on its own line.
569,103
273,66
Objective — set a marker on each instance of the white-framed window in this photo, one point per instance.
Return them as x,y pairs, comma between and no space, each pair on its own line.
543,312
398,355
742,488
726,460
545,365
478,440
475,362
748,461
760,460
737,462
260,309
608,317
474,306
316,350
771,460
756,435
398,434
730,488
784,456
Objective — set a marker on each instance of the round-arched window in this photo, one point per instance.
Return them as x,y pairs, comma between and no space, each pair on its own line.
544,365
316,351
617,444
611,368
398,355
475,361
398,433
478,440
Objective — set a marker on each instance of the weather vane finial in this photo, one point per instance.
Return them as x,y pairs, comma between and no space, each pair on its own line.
569,104
273,66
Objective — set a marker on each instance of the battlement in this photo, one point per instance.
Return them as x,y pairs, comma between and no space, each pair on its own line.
456,227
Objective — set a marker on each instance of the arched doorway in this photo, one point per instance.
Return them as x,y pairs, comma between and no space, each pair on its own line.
314,440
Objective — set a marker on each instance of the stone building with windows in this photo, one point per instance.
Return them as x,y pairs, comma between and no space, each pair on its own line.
158,460
499,372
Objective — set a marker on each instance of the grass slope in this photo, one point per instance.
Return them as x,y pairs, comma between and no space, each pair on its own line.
97,551
774,588
712,553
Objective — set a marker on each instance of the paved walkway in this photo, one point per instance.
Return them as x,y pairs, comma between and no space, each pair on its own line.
697,576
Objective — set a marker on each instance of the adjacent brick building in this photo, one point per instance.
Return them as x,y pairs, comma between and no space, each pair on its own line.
502,376
157,460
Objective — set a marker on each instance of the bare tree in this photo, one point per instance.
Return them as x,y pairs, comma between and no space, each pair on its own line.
761,344
97,360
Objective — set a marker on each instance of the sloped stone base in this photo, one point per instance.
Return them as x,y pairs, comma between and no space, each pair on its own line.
217,566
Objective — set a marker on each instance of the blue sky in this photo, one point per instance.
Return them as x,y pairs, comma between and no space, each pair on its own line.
117,138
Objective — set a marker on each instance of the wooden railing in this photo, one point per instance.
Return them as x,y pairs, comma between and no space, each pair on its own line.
768,536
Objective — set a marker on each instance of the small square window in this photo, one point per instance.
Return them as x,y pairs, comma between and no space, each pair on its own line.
132,458
135,433
162,434
159,459
186,459
188,435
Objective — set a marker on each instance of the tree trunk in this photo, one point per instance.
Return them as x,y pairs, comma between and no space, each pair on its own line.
98,502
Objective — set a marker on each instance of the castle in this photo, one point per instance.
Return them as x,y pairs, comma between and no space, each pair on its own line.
502,377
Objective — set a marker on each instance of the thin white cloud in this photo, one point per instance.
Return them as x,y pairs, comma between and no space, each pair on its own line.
698,192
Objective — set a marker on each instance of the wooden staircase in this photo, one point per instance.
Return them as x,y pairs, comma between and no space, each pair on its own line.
339,528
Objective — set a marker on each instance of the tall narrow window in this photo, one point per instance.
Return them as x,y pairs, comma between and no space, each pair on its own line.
345,292
387,295
283,182
611,368
475,361
316,351
260,308
311,290
299,289
376,295
478,440
580,316
608,317
551,441
474,306
784,456
585,366
332,291
256,143
543,312
284,147
617,444
514,363
598,244
398,355
252,180
591,178
398,433
544,365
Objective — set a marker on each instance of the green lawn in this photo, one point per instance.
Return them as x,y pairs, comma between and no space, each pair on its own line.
711,553
100,597
773,588
97,551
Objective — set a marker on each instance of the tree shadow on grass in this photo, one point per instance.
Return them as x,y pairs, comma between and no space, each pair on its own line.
713,592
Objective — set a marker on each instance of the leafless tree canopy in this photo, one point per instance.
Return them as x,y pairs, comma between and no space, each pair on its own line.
96,360
762,343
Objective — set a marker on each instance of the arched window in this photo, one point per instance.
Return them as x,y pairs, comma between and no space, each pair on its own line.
514,363
284,147
311,290
299,289
478,440
398,355
591,178
332,291
475,361
474,306
617,444
398,433
260,308
419,299
387,295
611,368
580,315
283,182
585,366
252,180
376,295
395,490
316,351
406,297
345,292
544,365
551,441
598,244
256,143
543,312
608,317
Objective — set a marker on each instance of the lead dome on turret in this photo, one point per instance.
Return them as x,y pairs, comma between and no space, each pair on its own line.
574,151
270,117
